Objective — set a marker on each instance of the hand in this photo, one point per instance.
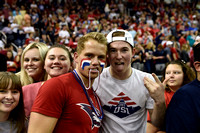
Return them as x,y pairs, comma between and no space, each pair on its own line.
156,89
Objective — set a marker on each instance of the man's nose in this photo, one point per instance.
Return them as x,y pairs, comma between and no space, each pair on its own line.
95,61
119,54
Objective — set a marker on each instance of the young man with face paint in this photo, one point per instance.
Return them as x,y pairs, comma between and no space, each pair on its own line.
68,103
122,90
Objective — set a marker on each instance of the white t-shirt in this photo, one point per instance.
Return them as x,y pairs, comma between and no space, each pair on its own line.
125,102
64,34
15,27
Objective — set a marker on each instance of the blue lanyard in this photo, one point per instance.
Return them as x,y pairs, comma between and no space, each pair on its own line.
99,115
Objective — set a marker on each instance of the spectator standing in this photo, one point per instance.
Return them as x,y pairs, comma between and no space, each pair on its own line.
184,54
35,19
183,113
148,60
30,39
138,58
64,35
11,64
3,62
167,49
160,59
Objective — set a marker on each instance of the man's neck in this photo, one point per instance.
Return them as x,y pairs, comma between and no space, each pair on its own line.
85,80
120,75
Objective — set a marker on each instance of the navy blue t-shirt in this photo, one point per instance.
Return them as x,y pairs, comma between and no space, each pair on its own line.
183,113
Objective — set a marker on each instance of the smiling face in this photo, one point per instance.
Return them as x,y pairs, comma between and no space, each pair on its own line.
176,75
9,99
93,52
120,55
33,64
57,62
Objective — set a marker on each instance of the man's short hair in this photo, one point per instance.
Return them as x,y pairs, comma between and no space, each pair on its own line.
196,50
99,37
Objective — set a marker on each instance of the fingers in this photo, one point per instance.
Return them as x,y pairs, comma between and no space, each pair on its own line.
156,78
165,81
150,84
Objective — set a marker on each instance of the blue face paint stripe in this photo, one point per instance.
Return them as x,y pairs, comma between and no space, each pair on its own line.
85,63
102,64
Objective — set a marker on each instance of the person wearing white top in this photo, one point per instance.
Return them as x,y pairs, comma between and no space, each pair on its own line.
127,93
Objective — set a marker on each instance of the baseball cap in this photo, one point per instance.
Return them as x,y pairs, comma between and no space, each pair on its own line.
127,37
196,50
197,38
169,43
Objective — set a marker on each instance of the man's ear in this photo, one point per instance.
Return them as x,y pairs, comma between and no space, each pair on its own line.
75,57
197,66
133,52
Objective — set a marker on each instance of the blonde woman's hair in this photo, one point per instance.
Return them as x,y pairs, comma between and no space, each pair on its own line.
24,78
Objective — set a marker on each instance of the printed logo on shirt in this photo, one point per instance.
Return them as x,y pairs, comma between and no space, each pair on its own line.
96,122
121,106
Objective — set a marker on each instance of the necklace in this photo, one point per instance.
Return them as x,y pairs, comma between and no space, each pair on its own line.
80,81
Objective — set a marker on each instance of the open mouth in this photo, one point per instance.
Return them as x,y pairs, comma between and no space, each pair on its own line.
94,70
31,69
7,103
119,63
56,68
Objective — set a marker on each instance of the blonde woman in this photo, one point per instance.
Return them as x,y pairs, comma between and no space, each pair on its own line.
32,63
58,61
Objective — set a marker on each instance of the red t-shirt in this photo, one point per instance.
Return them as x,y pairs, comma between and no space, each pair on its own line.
28,41
174,51
63,98
182,41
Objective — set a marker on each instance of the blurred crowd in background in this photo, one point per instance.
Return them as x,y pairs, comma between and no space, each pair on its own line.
163,30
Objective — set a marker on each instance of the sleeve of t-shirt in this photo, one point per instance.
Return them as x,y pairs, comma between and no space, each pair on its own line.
50,99
180,116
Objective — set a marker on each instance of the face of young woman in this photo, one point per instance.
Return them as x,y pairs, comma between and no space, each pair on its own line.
33,64
57,62
9,99
176,75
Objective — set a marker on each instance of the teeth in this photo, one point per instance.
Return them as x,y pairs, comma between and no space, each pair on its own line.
93,69
56,68
119,63
30,69
7,103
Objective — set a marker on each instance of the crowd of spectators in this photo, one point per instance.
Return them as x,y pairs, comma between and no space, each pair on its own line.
163,30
